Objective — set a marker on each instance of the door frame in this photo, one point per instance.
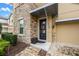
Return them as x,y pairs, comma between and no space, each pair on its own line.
39,28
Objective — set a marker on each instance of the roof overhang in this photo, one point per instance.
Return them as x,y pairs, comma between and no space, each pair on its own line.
50,9
46,5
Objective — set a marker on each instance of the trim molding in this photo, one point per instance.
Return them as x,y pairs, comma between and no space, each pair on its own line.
68,19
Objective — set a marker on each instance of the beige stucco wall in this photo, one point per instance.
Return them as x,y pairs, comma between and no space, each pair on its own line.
68,10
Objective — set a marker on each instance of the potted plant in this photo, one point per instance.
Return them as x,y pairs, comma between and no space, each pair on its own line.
0,29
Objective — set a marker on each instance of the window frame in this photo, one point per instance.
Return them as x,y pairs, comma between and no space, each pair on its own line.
21,26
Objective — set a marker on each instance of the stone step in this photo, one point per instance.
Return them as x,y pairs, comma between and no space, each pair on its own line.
30,51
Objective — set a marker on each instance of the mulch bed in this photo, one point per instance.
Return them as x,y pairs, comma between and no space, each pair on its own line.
13,50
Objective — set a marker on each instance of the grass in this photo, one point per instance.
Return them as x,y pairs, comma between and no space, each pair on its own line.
3,45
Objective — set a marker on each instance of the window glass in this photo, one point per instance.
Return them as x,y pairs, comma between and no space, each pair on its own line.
21,26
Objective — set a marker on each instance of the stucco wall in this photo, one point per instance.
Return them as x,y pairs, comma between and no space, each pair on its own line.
68,32
68,10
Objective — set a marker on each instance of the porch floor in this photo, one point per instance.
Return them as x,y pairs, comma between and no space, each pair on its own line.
44,46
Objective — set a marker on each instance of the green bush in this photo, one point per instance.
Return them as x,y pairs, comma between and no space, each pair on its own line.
3,45
0,28
10,37
2,52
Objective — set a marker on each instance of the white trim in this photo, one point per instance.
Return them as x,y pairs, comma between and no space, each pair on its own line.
46,5
38,28
21,18
68,19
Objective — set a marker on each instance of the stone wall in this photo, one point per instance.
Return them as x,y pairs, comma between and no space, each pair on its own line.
23,12
36,5
34,27
59,49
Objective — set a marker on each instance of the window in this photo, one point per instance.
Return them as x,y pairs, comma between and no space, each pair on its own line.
21,23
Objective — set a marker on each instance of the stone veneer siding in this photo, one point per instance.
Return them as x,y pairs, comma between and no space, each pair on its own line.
34,27
23,11
30,23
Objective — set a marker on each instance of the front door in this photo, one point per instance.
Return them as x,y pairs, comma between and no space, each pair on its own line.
42,29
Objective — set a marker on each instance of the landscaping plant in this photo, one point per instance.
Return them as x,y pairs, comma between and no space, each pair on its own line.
3,45
10,37
0,29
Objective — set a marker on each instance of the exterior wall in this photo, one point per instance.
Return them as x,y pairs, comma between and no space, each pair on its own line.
35,31
49,29
34,27
4,25
67,32
4,28
20,12
30,22
64,32
68,10
10,24
36,5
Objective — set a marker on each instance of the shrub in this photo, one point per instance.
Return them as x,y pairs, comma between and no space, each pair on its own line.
3,45
0,28
2,52
10,37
